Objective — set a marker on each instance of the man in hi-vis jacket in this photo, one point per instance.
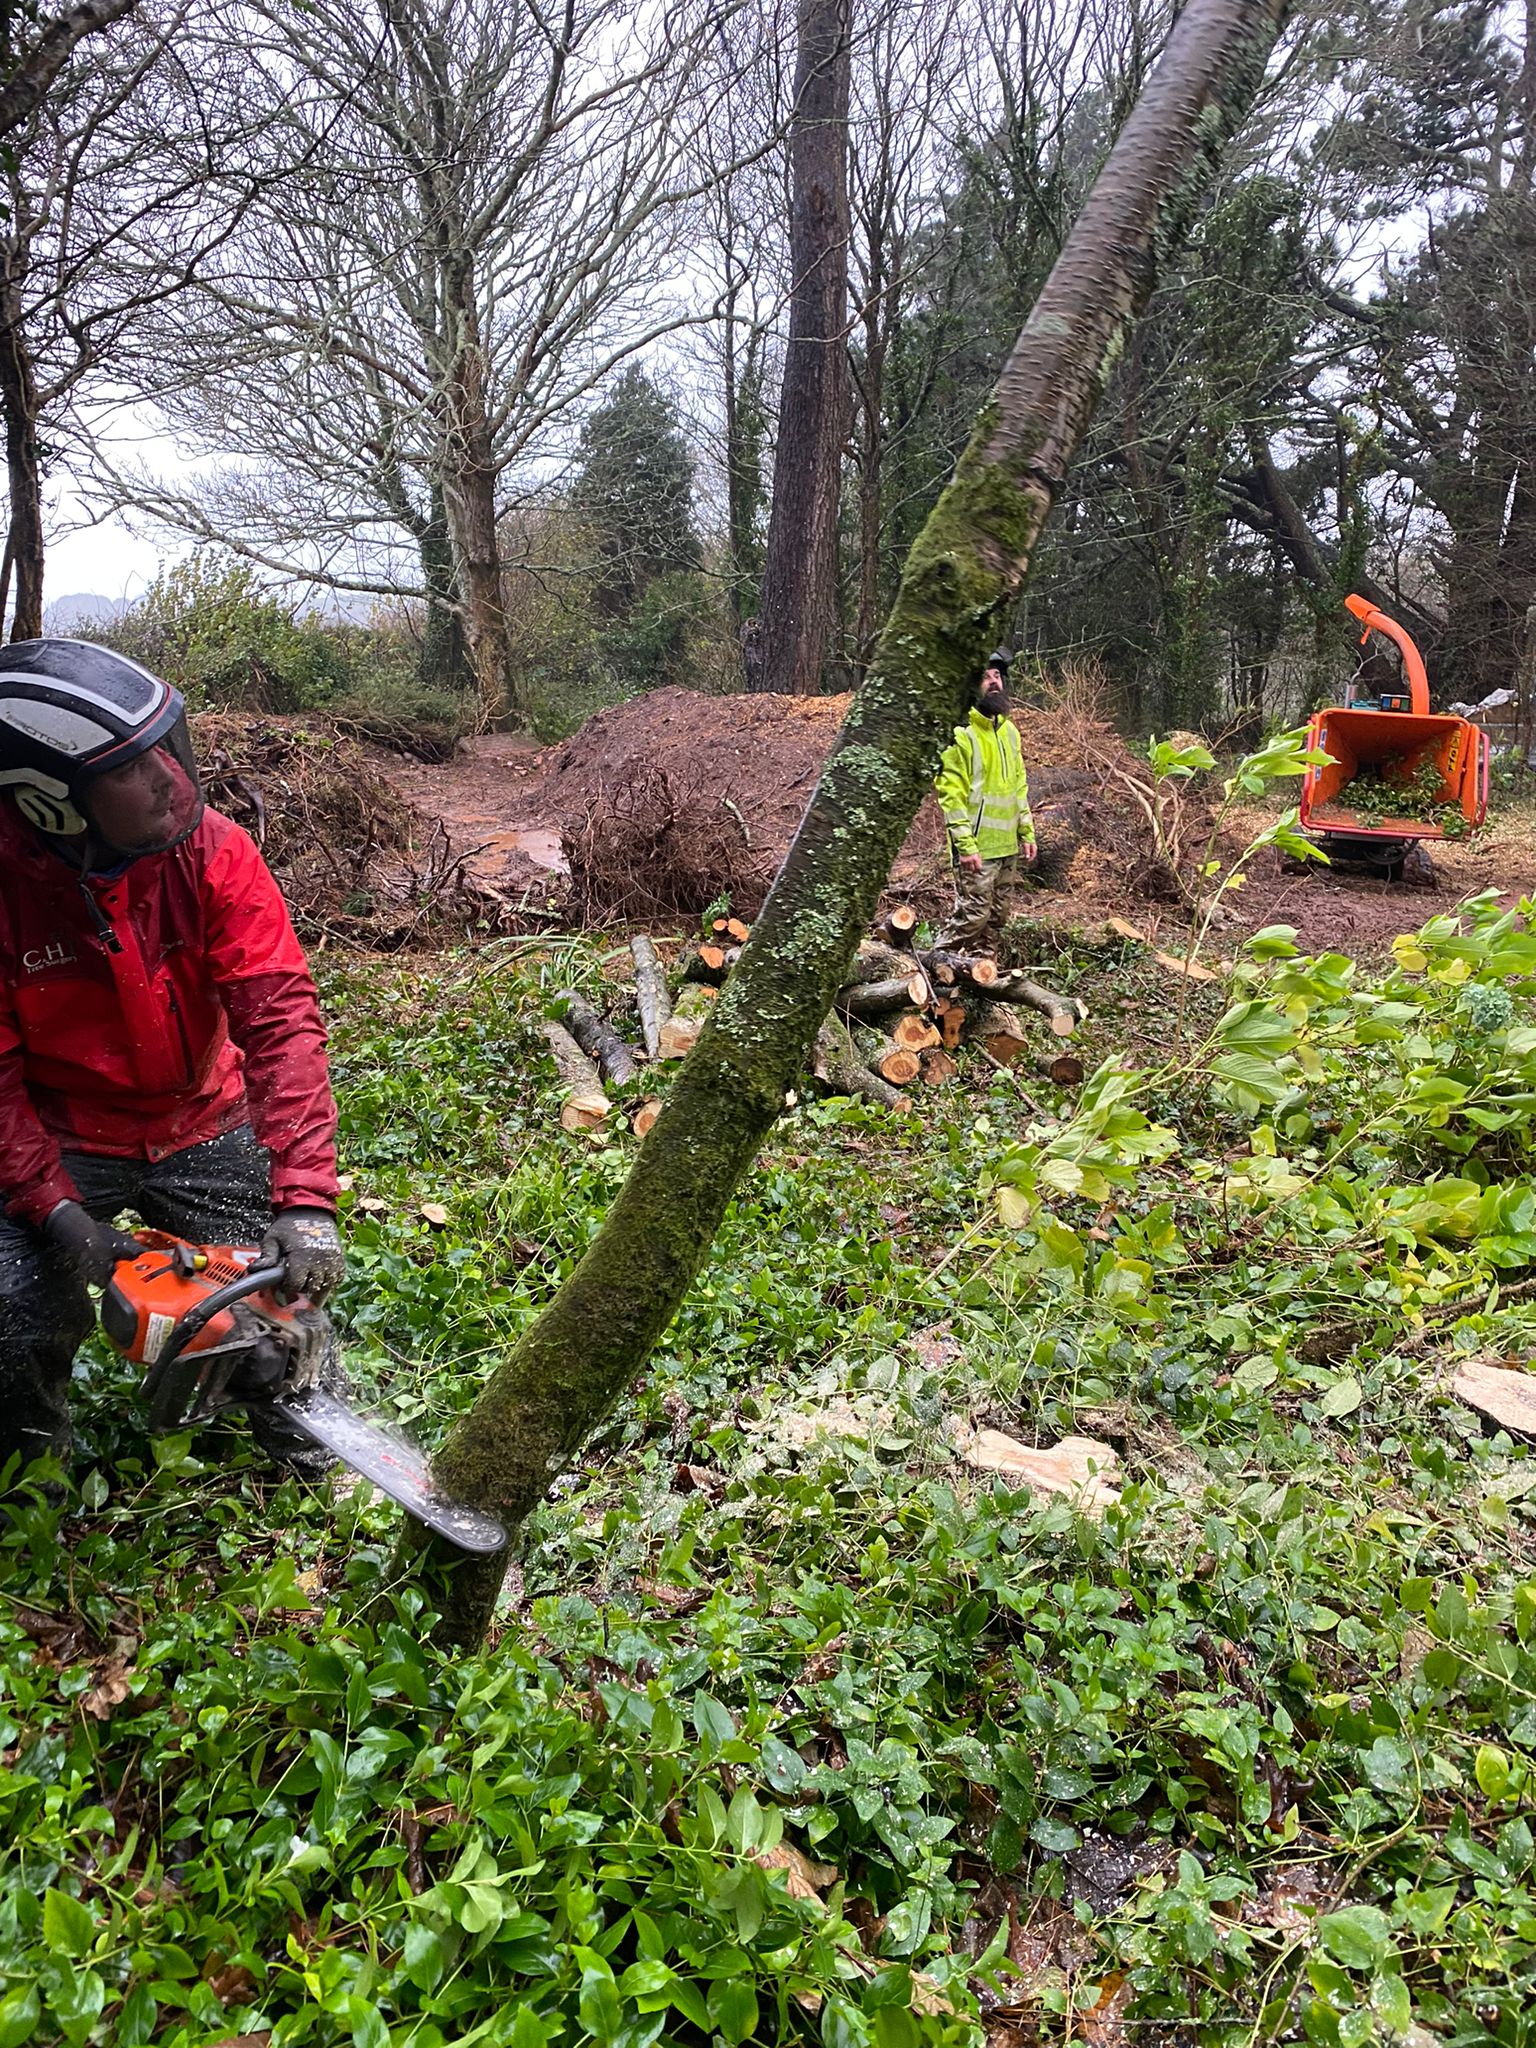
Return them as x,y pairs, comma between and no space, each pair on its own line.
983,791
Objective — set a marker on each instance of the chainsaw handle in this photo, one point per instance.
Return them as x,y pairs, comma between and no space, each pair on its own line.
253,1281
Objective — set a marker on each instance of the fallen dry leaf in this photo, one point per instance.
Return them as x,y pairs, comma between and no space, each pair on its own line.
803,1879
937,1347
1103,2025
373,1204
928,1995
1079,1468
114,1682
1190,969
435,1214
1505,1397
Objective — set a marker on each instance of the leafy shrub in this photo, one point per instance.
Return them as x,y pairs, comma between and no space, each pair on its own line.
223,638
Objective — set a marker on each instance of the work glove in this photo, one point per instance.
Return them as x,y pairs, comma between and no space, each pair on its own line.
307,1244
92,1248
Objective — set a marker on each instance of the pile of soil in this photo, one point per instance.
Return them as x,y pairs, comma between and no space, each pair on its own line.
353,858
678,798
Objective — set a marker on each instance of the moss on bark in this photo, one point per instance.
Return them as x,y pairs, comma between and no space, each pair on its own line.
962,577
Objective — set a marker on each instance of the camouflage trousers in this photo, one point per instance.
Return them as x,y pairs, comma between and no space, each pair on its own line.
983,905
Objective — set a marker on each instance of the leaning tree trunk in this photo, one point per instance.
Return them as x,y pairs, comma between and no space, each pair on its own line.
800,574
963,574
23,468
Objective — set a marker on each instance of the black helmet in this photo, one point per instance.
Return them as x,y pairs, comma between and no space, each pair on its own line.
95,750
1000,658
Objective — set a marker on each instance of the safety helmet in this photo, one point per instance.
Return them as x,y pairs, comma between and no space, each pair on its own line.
1000,658
95,750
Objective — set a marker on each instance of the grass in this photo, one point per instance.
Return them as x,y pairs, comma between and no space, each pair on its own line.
796,1727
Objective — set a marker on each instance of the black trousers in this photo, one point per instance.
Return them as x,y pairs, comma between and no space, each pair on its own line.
215,1193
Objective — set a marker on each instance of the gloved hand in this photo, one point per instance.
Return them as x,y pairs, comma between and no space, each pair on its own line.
92,1248
308,1245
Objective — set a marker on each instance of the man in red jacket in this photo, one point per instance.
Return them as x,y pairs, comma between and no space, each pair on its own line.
161,1049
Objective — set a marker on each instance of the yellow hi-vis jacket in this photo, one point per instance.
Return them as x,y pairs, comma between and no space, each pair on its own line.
983,789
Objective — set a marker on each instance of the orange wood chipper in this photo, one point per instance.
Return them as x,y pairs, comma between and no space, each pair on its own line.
1439,764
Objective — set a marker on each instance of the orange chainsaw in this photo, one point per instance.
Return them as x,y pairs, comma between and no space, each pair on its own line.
211,1331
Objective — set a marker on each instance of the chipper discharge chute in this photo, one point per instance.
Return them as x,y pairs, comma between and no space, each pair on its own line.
1398,773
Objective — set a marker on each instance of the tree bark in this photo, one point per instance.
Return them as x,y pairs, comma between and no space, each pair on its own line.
598,1039
651,998
584,1105
469,499
35,70
444,662
800,574
960,582
23,465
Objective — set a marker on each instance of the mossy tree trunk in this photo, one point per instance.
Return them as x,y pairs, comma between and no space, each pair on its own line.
962,577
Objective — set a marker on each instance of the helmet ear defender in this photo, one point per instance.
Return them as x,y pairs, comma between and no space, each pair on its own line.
43,802
74,718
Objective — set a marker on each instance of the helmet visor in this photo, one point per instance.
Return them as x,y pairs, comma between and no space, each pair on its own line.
148,803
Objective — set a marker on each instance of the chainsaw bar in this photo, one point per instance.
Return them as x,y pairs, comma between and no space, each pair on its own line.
394,1466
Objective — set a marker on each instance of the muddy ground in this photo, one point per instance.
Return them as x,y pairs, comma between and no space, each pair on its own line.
516,812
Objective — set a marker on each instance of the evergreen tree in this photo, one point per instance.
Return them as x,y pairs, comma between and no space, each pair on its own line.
634,493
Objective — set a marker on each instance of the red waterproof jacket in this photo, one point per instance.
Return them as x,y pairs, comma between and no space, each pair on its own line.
205,1018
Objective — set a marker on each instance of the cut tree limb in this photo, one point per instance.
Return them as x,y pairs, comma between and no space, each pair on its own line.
1064,1069
681,1031
1063,1013
915,1034
960,584
708,962
598,1040
585,1104
937,1066
899,924
977,970
1001,1031
645,1117
838,1067
952,1021
900,1066
651,998
877,962
869,999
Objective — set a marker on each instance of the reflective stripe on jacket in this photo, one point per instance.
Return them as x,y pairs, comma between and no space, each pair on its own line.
204,1018
983,789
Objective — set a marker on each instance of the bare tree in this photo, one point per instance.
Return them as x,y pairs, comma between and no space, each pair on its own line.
102,227
425,307
800,574
29,66
961,580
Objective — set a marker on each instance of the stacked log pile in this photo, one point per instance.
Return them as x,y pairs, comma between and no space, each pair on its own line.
896,1023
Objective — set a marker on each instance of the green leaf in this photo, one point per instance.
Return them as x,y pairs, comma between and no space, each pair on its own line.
597,2005
1056,1835
1491,1769
1388,1764
20,2011
68,1927
732,2005
1356,1936
783,1767
712,1722
1343,1397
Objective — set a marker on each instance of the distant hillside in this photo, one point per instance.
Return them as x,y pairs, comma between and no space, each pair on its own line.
81,610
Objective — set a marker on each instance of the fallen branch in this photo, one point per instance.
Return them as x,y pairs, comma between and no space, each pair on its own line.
937,1066
1000,1031
585,1105
598,1040
899,1066
870,999
837,1067
915,1034
651,997
680,1033
1063,1013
